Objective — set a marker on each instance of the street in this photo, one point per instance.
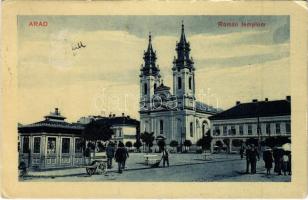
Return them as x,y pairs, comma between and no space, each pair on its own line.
183,168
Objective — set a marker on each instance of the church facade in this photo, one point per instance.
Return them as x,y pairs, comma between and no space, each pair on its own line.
175,115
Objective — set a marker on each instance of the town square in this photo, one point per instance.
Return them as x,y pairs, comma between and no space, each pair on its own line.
207,118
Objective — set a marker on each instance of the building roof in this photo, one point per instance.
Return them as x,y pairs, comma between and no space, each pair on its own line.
120,120
204,108
162,87
255,109
53,123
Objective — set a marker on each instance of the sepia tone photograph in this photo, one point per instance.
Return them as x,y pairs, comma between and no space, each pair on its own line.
154,98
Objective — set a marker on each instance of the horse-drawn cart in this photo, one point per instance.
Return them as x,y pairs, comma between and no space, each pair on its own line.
98,165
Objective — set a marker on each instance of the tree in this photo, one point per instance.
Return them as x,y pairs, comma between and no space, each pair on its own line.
187,144
208,140
205,141
161,144
174,144
148,139
253,141
227,142
128,144
95,131
237,142
137,144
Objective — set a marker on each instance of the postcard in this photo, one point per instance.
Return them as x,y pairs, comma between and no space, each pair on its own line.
154,99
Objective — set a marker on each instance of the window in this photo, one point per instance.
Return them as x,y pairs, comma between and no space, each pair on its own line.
120,132
78,145
216,130
65,145
25,145
190,83
233,130
179,83
249,129
51,145
288,128
155,86
161,126
225,130
145,89
191,129
241,130
277,127
268,129
37,145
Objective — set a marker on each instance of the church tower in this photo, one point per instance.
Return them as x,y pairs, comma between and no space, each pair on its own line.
149,77
184,74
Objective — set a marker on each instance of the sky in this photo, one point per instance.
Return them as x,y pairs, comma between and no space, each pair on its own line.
232,63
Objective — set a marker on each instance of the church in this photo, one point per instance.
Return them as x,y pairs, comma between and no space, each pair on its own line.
175,115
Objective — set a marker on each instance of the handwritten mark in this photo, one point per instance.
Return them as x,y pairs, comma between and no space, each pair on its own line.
78,46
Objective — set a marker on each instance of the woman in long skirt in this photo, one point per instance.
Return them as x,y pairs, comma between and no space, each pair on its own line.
268,160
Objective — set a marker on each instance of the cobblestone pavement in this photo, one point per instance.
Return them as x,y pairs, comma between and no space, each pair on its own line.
183,168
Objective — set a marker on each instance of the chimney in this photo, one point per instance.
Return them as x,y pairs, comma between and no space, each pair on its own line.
122,114
255,100
288,98
237,103
57,111
266,99
128,116
110,115
113,115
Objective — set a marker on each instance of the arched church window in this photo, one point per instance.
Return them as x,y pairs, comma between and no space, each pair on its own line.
204,127
179,83
191,129
190,83
145,88
161,126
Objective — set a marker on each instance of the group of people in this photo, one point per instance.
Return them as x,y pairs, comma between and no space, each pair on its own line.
281,159
120,155
252,155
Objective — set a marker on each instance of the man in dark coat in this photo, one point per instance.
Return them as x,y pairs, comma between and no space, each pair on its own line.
110,155
165,156
120,156
254,154
126,156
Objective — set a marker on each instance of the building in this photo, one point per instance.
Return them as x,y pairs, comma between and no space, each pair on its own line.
177,115
125,128
51,143
256,119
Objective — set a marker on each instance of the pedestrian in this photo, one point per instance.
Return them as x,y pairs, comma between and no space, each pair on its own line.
247,153
289,164
254,154
278,154
22,169
120,156
110,154
242,152
125,158
268,160
87,154
165,156
285,163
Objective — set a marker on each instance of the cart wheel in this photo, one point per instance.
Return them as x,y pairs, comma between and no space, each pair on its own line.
88,171
93,171
102,168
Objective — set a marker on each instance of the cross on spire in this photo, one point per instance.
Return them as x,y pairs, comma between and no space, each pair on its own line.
150,67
